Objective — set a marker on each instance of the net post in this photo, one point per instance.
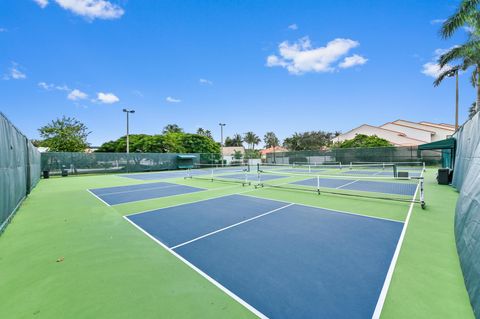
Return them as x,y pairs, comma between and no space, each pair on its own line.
395,173
318,184
422,194
212,175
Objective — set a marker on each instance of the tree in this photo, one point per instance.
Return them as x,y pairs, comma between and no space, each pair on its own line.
236,140
65,135
172,128
466,55
165,143
194,143
237,155
36,143
203,132
308,141
361,140
252,139
270,140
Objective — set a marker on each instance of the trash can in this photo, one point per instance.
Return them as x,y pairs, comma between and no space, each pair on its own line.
64,171
443,176
46,174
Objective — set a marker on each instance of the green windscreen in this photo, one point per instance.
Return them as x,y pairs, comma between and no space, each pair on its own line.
19,169
358,155
466,179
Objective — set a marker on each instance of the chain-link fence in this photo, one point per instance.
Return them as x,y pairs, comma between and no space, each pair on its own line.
349,155
19,169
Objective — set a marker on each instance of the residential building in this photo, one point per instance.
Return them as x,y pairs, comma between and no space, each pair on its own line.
402,132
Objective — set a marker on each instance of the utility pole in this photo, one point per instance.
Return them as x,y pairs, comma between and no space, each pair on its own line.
128,127
221,138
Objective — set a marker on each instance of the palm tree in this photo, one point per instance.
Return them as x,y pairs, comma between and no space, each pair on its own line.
172,128
203,132
466,55
237,140
270,140
252,139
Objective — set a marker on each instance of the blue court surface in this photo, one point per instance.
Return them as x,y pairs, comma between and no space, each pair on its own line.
132,193
285,260
155,176
379,173
394,188
302,170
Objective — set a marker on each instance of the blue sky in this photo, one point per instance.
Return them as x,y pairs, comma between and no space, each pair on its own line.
281,66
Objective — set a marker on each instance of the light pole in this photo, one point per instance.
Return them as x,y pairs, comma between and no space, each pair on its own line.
128,124
221,138
454,73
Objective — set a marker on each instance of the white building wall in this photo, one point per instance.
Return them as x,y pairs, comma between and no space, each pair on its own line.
393,137
410,131
440,133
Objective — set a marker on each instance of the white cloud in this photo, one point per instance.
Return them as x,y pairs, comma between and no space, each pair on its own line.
92,9
293,26
42,3
437,21
170,99
468,29
138,93
353,60
432,68
205,81
45,86
77,95
107,98
301,57
14,73
51,86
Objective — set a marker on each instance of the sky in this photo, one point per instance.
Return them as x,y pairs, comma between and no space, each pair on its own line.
255,65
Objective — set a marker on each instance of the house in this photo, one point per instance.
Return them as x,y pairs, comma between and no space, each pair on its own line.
276,149
228,153
402,132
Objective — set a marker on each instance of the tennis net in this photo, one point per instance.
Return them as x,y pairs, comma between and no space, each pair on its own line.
405,189
409,166
224,173
386,170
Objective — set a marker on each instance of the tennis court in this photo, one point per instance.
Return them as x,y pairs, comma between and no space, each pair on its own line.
132,193
282,260
230,249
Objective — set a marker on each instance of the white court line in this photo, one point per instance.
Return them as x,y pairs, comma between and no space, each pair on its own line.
391,269
138,190
231,226
204,275
99,198
349,183
196,201
325,208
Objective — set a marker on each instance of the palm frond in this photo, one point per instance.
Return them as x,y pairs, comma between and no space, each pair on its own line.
468,52
447,73
465,11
